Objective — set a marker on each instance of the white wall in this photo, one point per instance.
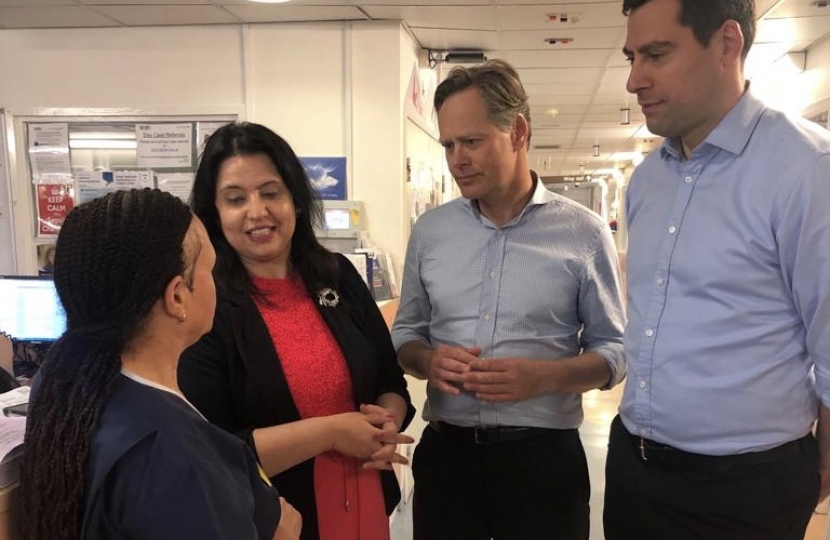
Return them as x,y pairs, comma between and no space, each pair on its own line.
299,90
137,68
377,86
331,89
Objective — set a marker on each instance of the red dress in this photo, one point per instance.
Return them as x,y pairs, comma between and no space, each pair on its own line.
349,499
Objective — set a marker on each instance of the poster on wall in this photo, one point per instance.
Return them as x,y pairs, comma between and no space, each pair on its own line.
205,130
164,146
94,184
49,153
178,184
327,175
54,202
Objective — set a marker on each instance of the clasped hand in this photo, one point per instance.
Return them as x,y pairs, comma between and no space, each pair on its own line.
372,435
453,369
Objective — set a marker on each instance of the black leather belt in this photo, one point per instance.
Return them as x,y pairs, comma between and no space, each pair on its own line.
489,435
652,452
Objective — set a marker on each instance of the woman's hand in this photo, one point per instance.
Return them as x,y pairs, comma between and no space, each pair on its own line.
389,437
354,434
291,522
364,434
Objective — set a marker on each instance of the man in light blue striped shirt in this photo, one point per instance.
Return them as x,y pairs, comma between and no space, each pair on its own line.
511,308
729,294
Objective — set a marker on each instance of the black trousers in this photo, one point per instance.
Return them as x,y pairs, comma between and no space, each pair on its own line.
655,501
529,489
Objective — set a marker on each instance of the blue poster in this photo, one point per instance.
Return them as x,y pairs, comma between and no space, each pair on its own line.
327,175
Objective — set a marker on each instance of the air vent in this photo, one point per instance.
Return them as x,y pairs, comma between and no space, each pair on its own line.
564,17
558,40
547,146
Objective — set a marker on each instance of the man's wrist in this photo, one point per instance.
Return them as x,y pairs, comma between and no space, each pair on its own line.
424,360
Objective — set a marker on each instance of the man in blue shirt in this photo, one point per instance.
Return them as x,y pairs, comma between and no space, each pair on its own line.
510,308
728,336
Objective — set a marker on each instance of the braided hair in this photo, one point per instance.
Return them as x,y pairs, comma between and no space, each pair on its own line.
115,256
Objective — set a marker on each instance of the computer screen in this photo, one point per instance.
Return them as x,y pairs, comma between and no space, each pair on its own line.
30,309
337,219
342,219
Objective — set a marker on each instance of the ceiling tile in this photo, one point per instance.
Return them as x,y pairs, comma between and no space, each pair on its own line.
799,29
438,39
578,38
445,17
254,13
560,18
583,77
53,17
558,58
141,2
32,3
157,15
798,8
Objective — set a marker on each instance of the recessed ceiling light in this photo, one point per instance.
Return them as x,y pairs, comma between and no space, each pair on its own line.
552,112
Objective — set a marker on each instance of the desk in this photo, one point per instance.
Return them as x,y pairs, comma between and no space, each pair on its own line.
6,354
389,308
7,496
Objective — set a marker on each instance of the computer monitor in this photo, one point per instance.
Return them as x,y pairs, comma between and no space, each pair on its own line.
30,310
342,219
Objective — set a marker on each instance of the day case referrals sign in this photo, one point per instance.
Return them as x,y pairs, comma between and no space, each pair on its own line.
162,146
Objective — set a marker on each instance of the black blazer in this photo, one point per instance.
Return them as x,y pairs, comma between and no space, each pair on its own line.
234,377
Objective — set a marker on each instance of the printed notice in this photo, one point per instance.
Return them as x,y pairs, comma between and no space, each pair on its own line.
54,201
205,130
163,146
49,153
94,184
178,184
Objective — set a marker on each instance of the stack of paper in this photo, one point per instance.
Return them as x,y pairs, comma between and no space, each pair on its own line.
12,431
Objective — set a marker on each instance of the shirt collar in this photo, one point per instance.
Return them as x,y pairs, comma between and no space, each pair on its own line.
732,133
540,195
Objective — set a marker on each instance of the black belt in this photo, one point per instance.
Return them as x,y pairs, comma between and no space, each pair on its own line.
652,452
489,435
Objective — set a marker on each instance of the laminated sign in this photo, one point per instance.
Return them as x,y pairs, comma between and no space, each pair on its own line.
54,202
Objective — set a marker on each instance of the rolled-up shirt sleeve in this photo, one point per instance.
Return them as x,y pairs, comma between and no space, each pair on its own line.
601,307
804,243
413,317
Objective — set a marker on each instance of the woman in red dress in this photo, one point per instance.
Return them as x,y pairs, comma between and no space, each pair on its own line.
299,362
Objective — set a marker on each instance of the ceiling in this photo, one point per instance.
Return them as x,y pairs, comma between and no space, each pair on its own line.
568,54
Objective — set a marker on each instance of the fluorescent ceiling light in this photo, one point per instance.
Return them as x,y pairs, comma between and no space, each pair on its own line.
625,156
608,171
103,144
102,135
270,1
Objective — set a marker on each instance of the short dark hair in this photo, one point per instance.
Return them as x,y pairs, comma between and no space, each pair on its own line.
500,86
115,257
704,17
315,264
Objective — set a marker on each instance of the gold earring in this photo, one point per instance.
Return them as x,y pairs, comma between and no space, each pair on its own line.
182,317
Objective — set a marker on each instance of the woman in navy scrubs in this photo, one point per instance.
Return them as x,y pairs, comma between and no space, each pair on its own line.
113,450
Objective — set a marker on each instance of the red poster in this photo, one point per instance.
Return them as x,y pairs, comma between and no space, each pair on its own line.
54,201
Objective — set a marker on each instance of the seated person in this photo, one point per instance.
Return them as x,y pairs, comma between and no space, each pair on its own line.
113,450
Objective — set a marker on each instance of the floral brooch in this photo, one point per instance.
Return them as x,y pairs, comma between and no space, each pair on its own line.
328,297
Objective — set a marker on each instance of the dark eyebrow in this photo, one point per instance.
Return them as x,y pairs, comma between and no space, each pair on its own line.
265,184
650,47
